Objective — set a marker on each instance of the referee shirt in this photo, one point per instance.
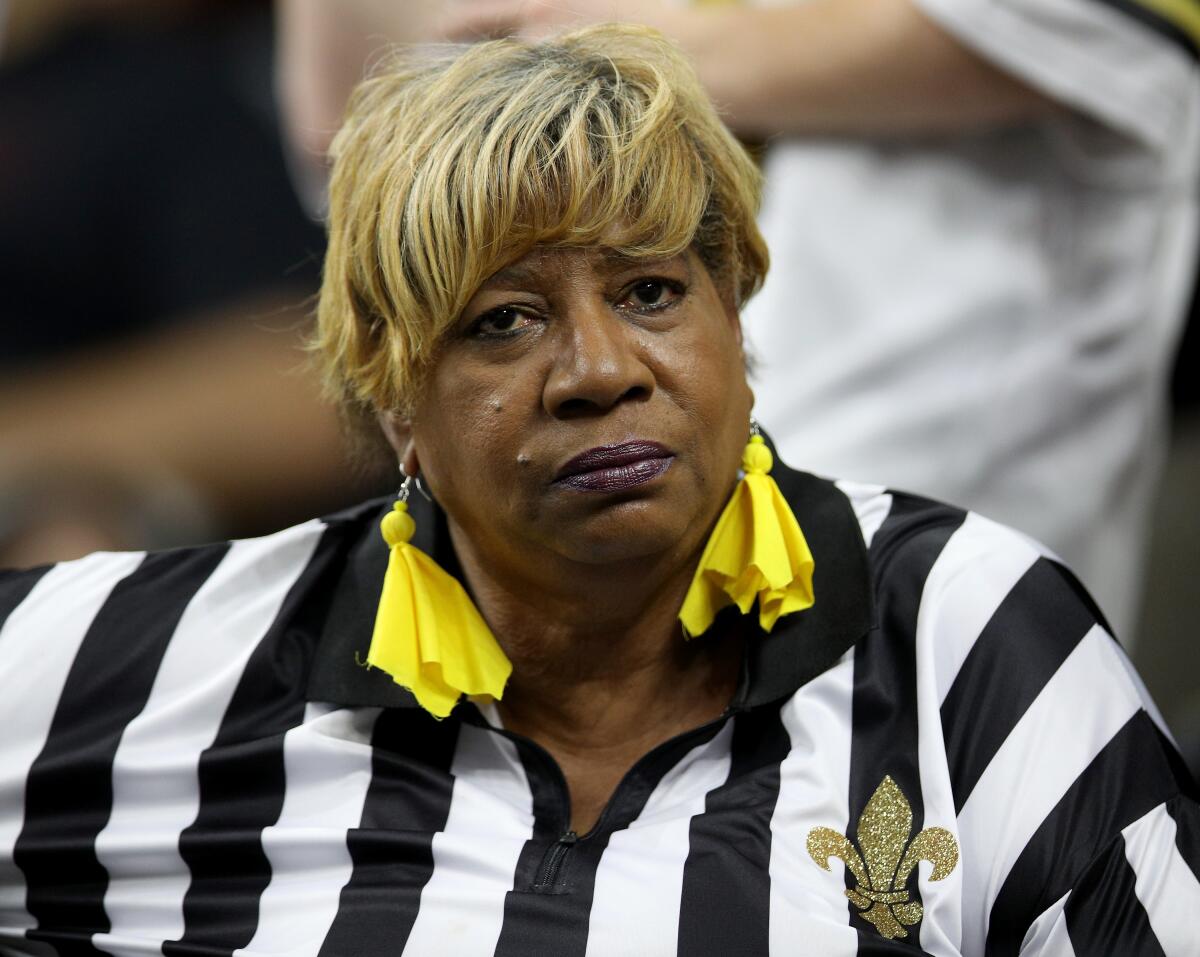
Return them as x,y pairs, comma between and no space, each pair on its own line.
192,762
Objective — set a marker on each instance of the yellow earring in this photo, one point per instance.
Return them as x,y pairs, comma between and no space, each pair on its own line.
756,550
429,636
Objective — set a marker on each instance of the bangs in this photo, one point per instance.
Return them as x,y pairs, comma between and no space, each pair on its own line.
460,160
571,165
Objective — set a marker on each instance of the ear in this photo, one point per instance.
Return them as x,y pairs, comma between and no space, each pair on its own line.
729,304
397,429
735,320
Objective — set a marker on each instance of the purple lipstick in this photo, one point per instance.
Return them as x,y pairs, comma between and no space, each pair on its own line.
613,468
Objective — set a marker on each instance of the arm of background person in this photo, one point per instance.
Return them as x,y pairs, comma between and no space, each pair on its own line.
324,49
824,66
869,67
881,67
213,415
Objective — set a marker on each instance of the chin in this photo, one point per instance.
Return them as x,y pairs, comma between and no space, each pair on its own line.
629,531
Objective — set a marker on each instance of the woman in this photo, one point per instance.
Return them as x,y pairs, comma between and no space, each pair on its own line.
537,255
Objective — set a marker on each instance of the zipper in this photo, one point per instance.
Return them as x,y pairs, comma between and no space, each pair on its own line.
547,876
551,866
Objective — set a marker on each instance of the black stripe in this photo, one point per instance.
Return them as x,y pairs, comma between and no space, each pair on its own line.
533,921
1104,915
241,775
15,588
1084,597
1133,773
554,920
1159,23
884,712
68,792
726,901
1035,628
392,848
1187,831
808,643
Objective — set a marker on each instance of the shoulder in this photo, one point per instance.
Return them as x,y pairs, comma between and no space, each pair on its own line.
978,596
1036,733
122,602
151,648
1009,649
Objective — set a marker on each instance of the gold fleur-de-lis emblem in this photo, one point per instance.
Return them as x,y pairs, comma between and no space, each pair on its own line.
888,857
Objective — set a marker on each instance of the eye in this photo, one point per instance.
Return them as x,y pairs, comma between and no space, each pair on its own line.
501,321
651,294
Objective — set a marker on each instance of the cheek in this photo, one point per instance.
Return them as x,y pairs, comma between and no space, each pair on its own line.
466,432
706,372
723,399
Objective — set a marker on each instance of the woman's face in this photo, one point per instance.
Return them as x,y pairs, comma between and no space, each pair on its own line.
586,407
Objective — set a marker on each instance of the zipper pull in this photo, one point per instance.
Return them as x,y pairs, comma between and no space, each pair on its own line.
548,873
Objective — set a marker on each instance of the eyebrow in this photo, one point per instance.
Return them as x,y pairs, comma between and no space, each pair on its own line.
522,273
516,273
620,260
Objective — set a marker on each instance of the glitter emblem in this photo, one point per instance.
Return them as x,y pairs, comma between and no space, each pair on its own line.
882,869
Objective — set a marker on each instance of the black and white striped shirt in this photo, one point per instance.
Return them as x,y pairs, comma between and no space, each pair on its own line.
192,763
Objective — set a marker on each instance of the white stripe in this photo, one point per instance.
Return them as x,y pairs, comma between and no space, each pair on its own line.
38,645
871,504
976,570
978,567
809,910
327,765
156,791
639,882
1147,702
475,857
1165,884
1052,744
1047,936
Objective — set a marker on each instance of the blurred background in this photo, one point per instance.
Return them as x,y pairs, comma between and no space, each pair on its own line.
158,271
158,275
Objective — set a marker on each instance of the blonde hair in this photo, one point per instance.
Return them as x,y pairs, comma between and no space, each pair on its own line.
455,161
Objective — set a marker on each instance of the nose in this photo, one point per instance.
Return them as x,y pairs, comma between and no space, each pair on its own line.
597,365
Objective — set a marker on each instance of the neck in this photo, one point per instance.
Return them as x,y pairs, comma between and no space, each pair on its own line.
643,696
600,703
601,670
615,680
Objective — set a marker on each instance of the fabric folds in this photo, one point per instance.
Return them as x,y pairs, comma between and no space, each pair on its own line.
428,634
756,550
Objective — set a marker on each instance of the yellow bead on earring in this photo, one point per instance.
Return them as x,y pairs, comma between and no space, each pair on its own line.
429,636
397,525
756,550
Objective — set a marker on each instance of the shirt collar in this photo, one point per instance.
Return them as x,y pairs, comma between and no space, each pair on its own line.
804,644
801,646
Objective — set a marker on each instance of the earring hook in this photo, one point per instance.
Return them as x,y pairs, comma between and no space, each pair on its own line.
407,485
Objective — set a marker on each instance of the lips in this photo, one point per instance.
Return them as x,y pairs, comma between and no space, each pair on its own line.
612,468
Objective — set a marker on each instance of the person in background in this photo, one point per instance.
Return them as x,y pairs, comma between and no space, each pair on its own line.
984,221
157,271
